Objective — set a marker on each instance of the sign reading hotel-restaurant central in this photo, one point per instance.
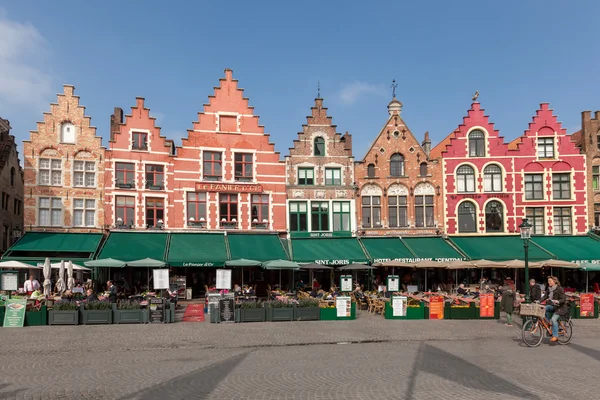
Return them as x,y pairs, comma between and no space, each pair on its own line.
229,187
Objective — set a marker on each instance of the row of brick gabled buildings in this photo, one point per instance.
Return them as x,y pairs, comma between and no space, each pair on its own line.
226,175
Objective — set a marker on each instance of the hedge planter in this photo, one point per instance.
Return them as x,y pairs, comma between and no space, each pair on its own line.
96,317
36,318
129,316
66,317
250,315
2,311
330,314
412,312
576,311
306,313
459,312
170,313
280,314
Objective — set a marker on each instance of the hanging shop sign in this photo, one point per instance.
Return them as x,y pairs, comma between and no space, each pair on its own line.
486,305
346,283
393,283
436,307
399,304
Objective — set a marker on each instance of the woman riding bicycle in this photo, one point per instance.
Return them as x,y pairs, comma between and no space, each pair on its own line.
556,303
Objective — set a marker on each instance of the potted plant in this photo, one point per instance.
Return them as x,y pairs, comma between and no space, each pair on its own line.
278,310
97,312
129,312
64,312
34,317
250,311
307,310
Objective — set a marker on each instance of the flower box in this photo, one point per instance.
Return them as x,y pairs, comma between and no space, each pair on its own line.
63,317
280,314
330,314
36,318
412,312
250,315
89,317
306,313
459,312
129,316
2,311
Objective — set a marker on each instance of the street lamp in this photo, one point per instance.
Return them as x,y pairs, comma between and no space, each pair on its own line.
16,234
525,228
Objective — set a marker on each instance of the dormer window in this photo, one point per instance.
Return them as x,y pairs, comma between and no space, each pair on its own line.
545,147
67,133
139,141
371,171
397,165
476,144
319,149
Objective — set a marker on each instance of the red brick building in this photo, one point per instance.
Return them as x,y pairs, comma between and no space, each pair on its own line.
138,171
588,140
398,185
320,179
227,174
490,186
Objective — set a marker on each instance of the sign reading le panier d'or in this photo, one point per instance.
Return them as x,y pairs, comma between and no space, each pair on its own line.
229,187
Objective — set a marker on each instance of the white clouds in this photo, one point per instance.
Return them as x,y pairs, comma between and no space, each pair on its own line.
352,92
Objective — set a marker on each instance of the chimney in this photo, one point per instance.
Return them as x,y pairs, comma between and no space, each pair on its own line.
115,121
426,143
347,138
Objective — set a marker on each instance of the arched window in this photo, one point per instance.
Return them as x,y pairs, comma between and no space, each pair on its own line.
397,165
465,179
492,178
476,144
67,133
12,176
466,217
493,217
423,169
319,147
371,171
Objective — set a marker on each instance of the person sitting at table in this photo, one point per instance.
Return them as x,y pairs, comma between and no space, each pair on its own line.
91,296
237,290
316,285
300,285
37,294
248,291
462,290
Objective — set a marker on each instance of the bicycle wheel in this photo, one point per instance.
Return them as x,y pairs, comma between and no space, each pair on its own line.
566,336
533,333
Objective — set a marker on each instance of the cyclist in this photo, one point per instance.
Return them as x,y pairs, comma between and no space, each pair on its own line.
556,304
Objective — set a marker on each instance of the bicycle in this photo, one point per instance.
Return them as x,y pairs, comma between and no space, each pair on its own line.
534,328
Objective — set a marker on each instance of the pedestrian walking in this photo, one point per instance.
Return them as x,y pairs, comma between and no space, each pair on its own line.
508,303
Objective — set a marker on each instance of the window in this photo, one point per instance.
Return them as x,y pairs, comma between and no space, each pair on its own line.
67,133
466,217
333,176
125,173
298,216
125,209
84,211
424,212
12,176
423,169
534,187
306,176
196,208
228,210
243,167
212,165
84,173
493,217
562,221
397,211
155,211
371,171
17,207
50,172
561,186
5,200
371,211
260,209
319,148
596,214
476,144
598,141
155,177
596,177
492,179
397,165
50,211
319,216
545,147
140,141
535,215
341,216
465,179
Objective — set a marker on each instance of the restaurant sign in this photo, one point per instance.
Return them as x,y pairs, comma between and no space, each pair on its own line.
586,306
320,234
229,187
332,262
196,264
586,261
416,260
14,316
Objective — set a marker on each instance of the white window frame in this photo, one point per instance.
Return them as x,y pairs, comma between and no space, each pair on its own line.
50,208
84,173
52,171
88,208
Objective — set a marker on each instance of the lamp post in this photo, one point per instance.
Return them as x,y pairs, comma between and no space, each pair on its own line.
525,228
16,234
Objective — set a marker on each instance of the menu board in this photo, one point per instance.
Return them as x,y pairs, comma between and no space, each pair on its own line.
346,283
343,306
486,305
436,307
393,283
227,310
160,278
156,314
399,306
213,298
14,316
412,288
223,279
10,281
586,305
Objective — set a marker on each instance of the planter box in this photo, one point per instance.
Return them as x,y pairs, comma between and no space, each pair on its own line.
280,314
411,312
67,317
460,312
89,317
250,315
139,316
306,313
36,318
170,311
576,311
330,314
2,311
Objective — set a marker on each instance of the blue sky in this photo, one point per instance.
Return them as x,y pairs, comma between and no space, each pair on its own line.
516,53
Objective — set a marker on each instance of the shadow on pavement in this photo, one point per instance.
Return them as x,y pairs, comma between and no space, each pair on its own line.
7,394
435,361
594,353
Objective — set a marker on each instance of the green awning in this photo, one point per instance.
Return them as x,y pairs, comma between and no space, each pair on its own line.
35,247
106,263
590,267
498,248
131,246
328,251
432,248
197,250
259,247
577,249
386,249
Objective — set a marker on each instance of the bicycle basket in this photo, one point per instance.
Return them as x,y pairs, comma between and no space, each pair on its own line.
532,310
